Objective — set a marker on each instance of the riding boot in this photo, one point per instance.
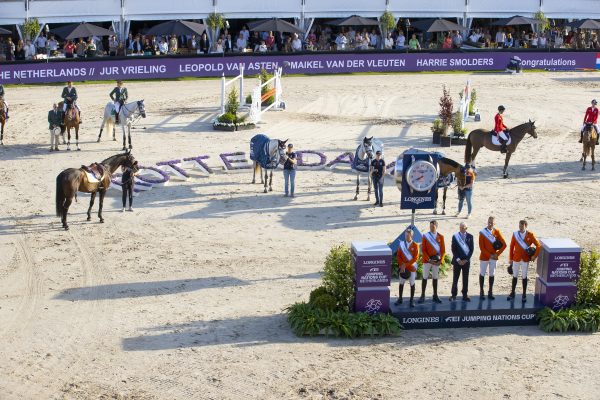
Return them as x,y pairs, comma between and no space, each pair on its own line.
581,137
412,295
423,287
436,299
400,290
511,296
481,283
7,117
524,297
503,146
491,289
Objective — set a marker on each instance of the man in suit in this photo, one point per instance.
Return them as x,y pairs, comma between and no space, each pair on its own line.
462,250
119,96
524,248
228,44
54,120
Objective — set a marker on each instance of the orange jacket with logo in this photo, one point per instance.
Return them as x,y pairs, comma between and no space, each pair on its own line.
486,247
410,265
516,251
427,249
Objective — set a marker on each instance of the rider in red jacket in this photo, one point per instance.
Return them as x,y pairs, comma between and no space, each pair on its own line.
500,130
591,117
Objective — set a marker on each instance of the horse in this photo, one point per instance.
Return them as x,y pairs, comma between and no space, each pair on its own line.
589,145
70,121
448,171
2,121
483,138
365,153
266,155
73,180
128,114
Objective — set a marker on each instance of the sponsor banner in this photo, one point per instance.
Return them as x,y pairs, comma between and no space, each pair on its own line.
372,270
372,300
310,63
467,316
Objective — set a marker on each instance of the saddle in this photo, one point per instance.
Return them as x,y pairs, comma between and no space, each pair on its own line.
495,140
96,170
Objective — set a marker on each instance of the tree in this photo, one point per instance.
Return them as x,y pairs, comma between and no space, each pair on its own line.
446,109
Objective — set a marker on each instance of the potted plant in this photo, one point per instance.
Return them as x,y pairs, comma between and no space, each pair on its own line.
472,102
437,130
230,120
215,22
445,114
31,27
458,132
387,22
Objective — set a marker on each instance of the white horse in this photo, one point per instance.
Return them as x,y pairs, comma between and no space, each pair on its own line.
128,114
275,151
365,153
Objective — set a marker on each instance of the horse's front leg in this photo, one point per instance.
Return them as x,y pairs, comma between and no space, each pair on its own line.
593,160
124,138
506,160
369,185
444,201
583,159
89,212
101,203
436,202
129,135
254,172
68,138
1,134
357,185
271,181
77,137
266,179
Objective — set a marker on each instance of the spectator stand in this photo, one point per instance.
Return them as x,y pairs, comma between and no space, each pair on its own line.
258,97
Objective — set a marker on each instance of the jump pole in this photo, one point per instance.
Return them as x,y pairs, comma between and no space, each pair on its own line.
224,84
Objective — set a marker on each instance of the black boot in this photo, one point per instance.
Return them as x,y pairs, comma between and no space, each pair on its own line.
423,287
581,137
481,283
400,290
436,299
503,147
511,296
524,297
412,296
491,289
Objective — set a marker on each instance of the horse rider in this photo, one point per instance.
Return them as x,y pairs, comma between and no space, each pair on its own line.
591,117
5,103
69,95
500,130
119,96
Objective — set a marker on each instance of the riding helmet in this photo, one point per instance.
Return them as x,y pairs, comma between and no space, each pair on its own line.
501,108
594,102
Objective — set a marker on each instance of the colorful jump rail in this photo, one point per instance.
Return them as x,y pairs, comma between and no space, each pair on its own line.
308,63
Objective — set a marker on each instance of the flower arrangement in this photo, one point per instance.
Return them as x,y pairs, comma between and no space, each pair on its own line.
238,157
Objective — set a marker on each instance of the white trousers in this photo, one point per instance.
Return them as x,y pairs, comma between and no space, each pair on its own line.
65,106
595,127
413,277
117,107
435,270
522,266
483,267
503,135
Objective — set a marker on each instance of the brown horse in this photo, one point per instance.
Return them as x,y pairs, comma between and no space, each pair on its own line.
447,167
589,145
483,138
71,121
74,180
2,121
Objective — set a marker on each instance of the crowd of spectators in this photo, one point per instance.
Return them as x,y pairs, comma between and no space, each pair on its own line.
320,38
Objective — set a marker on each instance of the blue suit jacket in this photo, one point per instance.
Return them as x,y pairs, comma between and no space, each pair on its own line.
457,251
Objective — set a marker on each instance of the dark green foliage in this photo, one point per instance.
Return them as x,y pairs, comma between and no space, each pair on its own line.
338,276
325,302
588,283
306,319
227,118
316,293
232,105
249,99
578,318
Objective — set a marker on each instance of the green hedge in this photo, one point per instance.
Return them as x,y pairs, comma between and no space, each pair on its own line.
308,320
578,318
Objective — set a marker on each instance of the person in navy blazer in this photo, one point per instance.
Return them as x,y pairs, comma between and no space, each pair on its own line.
462,250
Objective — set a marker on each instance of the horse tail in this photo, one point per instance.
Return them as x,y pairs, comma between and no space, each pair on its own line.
60,195
468,149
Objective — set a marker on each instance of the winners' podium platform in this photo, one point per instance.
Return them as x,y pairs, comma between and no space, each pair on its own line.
461,314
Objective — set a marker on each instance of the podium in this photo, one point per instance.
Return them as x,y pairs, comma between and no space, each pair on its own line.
372,263
557,269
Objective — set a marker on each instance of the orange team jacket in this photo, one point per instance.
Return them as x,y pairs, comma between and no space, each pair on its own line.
410,265
516,251
427,249
486,247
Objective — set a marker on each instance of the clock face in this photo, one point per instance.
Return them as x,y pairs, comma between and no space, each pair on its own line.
421,176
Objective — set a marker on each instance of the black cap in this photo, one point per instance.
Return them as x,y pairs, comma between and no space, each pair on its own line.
378,152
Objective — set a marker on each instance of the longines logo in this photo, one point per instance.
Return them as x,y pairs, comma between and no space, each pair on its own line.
417,200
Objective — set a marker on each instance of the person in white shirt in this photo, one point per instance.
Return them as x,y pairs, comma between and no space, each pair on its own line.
500,37
52,44
389,42
163,47
29,50
262,47
246,33
374,39
296,43
533,41
40,44
351,35
219,47
341,41
558,42
240,43
542,41
400,40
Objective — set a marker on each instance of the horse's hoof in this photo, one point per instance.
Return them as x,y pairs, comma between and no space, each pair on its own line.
270,189
124,148
583,168
78,149
265,191
434,212
443,212
505,176
355,198
89,218
98,141
130,147
101,220
114,139
66,227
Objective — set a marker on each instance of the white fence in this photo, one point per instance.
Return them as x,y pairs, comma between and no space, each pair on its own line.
256,109
224,85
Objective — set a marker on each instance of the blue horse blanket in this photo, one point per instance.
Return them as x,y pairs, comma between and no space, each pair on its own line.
259,152
360,165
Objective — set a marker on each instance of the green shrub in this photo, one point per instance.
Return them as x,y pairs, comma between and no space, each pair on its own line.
264,76
325,302
588,283
232,105
227,118
456,123
578,318
306,319
437,126
338,276
316,293
472,102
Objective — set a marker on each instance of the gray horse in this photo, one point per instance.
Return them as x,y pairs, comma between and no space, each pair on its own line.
483,138
275,154
128,114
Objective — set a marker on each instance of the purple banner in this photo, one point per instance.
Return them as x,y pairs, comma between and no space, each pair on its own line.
372,270
310,63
